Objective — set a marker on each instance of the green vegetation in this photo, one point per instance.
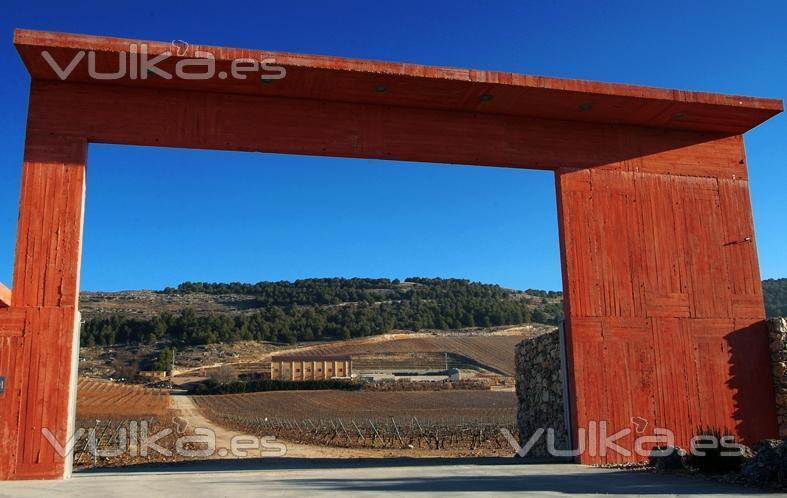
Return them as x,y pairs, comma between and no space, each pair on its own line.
326,309
338,308
254,386
164,360
775,296
331,291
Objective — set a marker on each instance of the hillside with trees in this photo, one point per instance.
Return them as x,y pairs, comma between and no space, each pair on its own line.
337,308
330,309
775,291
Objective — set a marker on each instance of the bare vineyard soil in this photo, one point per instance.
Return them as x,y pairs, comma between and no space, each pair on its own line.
453,422
97,399
106,410
440,405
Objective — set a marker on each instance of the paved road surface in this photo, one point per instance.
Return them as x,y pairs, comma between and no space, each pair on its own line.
368,477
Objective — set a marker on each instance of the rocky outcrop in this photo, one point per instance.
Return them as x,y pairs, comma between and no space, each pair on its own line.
539,388
777,328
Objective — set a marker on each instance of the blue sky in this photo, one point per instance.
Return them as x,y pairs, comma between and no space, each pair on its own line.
156,217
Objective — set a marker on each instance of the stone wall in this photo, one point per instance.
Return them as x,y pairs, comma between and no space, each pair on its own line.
539,388
777,328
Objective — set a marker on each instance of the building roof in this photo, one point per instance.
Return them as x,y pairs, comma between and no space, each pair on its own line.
307,357
338,79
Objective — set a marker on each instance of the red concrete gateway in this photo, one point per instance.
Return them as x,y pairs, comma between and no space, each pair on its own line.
663,299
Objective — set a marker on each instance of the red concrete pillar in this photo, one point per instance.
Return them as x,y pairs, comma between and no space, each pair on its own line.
663,301
39,338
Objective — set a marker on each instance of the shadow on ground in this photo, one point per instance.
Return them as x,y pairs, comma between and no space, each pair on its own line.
274,463
426,475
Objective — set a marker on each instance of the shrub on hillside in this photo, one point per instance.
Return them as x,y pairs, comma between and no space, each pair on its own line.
263,385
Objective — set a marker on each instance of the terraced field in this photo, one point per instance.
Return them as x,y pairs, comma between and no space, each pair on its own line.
97,399
493,352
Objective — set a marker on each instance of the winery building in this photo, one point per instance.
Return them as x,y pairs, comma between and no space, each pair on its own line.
311,367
